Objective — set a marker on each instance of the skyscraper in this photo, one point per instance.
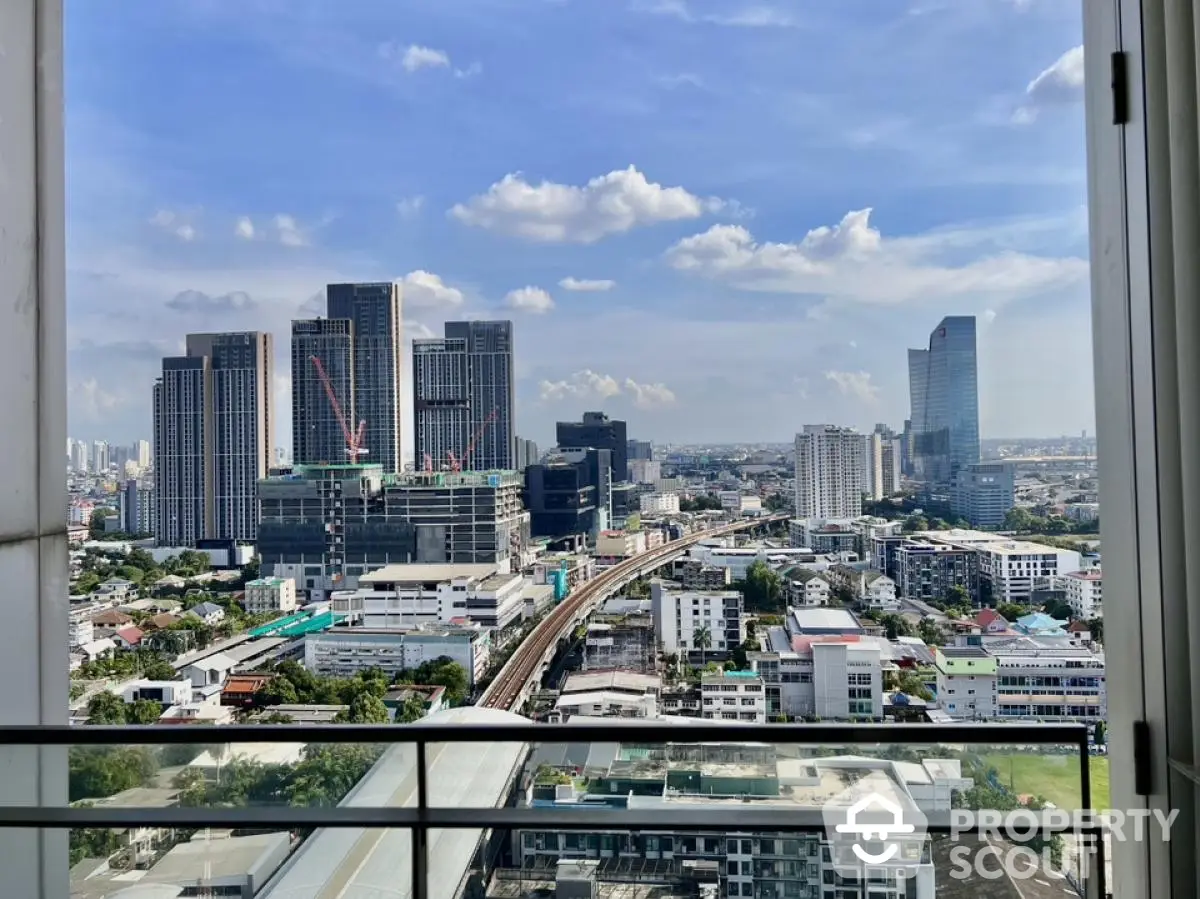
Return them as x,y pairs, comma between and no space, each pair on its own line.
598,431
213,431
375,313
829,472
944,390
316,433
464,391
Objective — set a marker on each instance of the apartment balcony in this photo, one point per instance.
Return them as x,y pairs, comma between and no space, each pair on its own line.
448,807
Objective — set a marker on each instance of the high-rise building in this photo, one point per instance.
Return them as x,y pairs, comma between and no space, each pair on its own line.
317,435
570,493
100,458
213,431
79,456
464,397
984,493
526,453
135,506
641,449
375,312
882,454
944,391
141,453
598,431
829,472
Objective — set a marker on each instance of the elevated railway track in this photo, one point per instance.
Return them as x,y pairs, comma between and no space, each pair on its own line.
523,670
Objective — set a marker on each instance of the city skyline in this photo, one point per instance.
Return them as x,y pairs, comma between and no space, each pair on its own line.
807,235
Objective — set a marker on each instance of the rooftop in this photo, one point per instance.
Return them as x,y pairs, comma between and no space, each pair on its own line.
425,573
824,619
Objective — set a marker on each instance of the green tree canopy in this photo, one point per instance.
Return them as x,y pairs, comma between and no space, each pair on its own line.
763,588
106,708
365,708
143,711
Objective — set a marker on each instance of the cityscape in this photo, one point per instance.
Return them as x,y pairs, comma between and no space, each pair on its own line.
543,449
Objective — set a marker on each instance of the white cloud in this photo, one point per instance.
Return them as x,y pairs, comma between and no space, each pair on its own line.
852,261
563,213
417,57
475,68
289,232
410,207
587,285
424,290
1059,84
530,299
92,400
989,316
244,228
648,396
854,383
587,384
415,330
173,223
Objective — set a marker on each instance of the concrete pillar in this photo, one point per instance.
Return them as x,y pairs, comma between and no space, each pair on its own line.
33,547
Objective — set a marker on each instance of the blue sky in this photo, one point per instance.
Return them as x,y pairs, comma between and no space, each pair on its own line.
719,220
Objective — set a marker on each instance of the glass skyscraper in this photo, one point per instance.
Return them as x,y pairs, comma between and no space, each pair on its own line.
944,391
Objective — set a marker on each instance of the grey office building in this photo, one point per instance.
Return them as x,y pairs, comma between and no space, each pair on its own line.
984,493
214,429
326,525
944,389
374,309
463,391
317,435
598,431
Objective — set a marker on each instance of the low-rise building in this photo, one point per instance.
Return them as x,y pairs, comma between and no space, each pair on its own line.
805,587
270,594
1048,679
833,677
167,693
405,596
704,623
620,544
659,503
345,651
733,696
695,575
1083,592
966,682
208,612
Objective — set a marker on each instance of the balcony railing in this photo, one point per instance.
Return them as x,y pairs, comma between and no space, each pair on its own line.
652,783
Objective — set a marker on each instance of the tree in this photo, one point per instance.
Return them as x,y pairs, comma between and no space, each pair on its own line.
763,588
1100,734
895,626
106,708
1096,626
412,710
143,711
93,842
775,502
277,691
365,708
910,682
131,573
1058,609
98,771
702,639
929,631
155,667
1010,611
96,522
1018,520
915,523
957,595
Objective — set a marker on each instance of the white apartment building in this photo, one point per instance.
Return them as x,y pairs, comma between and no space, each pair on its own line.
680,616
659,503
644,471
620,544
829,472
406,596
831,678
966,682
733,696
872,465
604,704
1048,679
1010,566
80,629
270,594
345,651
1083,592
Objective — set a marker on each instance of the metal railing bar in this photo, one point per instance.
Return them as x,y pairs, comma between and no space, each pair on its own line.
724,821
610,732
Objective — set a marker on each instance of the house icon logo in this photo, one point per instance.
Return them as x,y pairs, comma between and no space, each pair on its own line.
871,825
857,824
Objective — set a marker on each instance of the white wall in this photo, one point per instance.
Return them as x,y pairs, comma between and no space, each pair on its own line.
33,405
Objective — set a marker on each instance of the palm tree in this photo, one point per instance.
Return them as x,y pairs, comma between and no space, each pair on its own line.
703,639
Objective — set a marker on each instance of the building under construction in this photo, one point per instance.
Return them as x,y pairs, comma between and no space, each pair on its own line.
325,525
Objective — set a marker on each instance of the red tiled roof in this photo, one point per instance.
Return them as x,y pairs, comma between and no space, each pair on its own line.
130,634
987,616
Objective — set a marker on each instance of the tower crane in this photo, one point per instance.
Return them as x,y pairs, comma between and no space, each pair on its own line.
354,439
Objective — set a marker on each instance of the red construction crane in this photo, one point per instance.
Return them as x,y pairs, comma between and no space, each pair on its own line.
354,439
456,463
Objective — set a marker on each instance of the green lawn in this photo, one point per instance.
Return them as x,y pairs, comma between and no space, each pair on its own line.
1055,777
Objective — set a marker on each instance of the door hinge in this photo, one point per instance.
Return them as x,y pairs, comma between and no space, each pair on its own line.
1120,88
1143,782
